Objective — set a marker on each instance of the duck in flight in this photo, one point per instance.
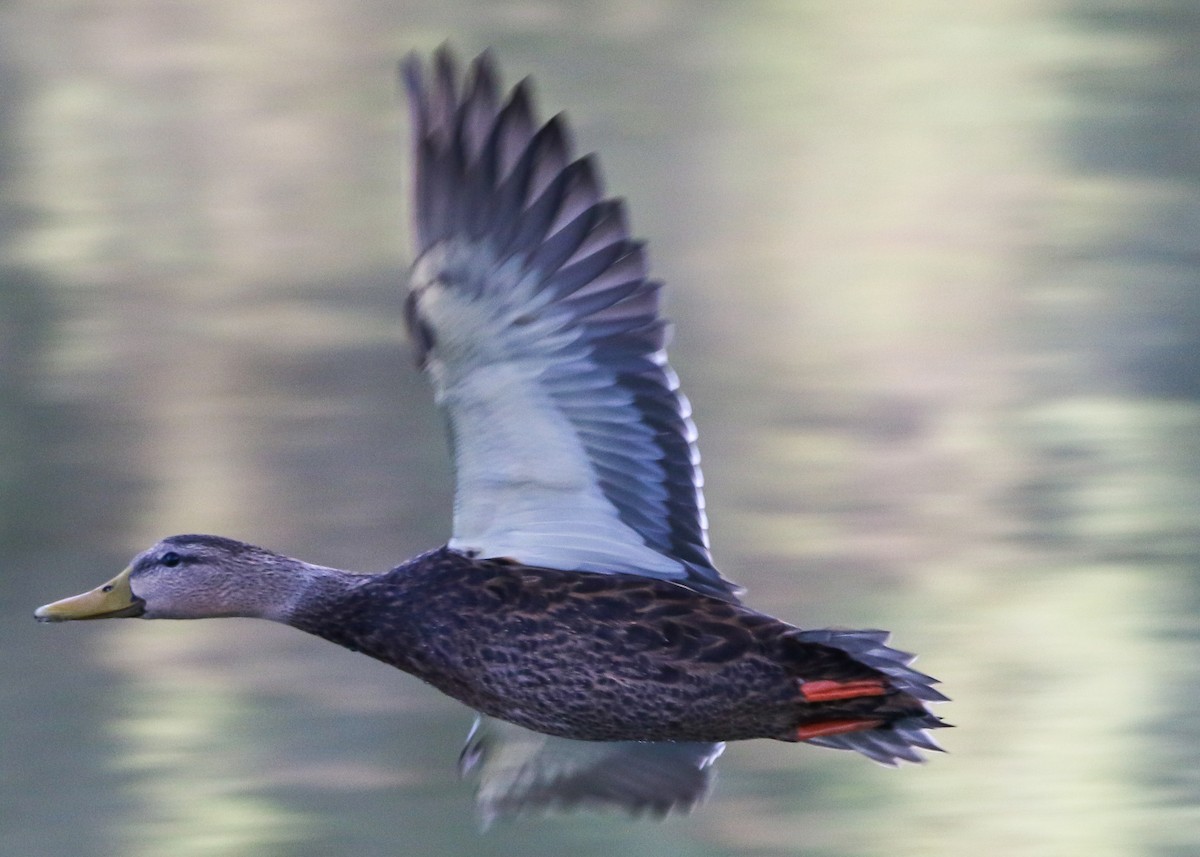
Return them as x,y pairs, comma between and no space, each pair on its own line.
576,606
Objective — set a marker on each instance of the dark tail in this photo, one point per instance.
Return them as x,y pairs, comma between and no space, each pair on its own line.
884,718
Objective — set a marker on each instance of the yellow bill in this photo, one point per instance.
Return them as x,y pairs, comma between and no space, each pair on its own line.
113,600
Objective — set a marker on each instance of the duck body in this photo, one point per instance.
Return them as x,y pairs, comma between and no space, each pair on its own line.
608,657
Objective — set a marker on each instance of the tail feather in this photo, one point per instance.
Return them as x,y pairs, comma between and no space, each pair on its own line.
869,648
891,744
899,739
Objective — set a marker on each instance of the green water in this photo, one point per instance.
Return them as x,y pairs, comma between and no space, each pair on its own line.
935,276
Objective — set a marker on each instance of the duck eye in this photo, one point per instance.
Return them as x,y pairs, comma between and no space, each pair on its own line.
170,559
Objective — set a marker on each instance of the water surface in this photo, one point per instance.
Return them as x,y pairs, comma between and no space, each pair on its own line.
935,276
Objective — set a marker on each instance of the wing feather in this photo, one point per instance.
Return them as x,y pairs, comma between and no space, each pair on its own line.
532,312
521,772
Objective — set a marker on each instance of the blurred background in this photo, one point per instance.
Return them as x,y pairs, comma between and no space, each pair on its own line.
935,269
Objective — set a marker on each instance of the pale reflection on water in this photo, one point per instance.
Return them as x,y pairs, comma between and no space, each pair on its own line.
934,272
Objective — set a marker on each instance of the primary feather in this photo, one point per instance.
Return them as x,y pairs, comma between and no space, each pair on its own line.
536,320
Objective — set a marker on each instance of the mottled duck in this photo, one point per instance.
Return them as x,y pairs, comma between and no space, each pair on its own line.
576,606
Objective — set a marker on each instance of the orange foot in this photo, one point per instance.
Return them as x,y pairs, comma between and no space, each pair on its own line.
828,691
821,728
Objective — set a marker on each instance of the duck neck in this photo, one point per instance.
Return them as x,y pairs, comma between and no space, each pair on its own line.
321,602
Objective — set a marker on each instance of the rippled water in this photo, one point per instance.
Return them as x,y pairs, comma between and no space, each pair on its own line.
935,275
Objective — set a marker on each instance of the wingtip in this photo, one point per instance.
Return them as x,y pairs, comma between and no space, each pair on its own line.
409,73
520,773
555,136
522,101
445,61
485,65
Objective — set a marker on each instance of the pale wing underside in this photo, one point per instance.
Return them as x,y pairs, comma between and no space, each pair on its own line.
521,772
535,320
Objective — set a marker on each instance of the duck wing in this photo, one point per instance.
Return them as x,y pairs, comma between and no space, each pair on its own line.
534,317
518,771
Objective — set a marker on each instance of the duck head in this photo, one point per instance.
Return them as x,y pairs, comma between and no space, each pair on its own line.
189,577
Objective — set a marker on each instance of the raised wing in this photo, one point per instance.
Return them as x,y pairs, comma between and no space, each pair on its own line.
534,318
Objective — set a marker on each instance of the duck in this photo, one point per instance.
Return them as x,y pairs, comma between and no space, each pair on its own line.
576,606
